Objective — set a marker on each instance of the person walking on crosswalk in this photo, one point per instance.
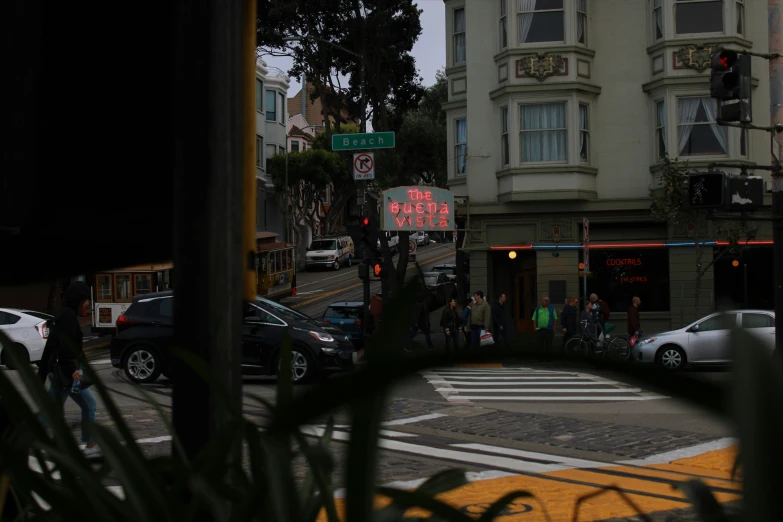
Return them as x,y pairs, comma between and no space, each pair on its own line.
544,318
480,317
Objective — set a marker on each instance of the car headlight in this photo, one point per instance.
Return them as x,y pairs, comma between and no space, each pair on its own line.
330,351
331,257
323,337
646,341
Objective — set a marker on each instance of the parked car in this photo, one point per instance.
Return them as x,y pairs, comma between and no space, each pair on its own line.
330,252
450,269
27,330
145,335
422,238
393,239
348,316
439,287
704,342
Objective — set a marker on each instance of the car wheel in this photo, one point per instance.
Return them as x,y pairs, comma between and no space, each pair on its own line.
671,358
20,351
142,364
302,366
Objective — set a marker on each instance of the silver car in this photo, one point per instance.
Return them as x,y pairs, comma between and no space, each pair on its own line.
704,342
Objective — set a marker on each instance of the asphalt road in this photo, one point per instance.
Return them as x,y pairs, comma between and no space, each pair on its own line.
317,289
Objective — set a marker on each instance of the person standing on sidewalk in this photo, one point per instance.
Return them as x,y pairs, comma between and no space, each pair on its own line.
464,321
568,320
544,318
421,321
63,358
634,322
449,320
480,317
499,325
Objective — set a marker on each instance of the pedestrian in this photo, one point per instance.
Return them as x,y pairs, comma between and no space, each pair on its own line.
464,320
544,318
634,323
421,321
568,320
449,321
480,317
600,313
587,322
63,359
499,325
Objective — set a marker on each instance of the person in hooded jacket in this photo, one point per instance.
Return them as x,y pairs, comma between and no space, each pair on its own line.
64,347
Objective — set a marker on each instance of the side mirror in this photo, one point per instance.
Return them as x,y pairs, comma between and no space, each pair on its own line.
694,328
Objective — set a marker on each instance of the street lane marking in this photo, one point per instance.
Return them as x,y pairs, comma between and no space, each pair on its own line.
411,420
541,390
523,398
580,463
100,361
692,451
357,285
480,365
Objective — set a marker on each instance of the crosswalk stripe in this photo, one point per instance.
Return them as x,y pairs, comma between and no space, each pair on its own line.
529,385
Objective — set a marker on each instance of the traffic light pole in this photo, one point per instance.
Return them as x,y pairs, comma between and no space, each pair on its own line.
367,257
775,13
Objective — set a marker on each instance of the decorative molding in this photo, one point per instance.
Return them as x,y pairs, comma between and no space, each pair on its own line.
541,66
547,229
554,89
562,168
658,64
696,56
554,49
503,72
456,69
459,86
583,68
729,41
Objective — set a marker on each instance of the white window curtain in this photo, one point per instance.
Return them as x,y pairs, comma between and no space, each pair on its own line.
687,108
462,146
581,20
658,16
525,19
544,135
711,108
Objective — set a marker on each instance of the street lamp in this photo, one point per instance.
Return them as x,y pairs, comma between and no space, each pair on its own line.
287,225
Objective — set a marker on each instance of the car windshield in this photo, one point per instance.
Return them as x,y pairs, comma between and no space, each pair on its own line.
323,245
277,308
343,312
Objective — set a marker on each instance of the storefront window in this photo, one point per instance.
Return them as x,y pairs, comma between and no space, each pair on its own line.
619,275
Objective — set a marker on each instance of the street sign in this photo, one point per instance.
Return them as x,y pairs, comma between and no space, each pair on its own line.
363,166
411,250
585,231
369,140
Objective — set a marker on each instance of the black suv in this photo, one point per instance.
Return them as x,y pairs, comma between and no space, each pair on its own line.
145,335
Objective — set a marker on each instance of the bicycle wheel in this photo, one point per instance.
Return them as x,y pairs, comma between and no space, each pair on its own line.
619,350
576,347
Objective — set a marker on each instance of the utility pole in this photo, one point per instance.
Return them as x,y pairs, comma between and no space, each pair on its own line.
774,15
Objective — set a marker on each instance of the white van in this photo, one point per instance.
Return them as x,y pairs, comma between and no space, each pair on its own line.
330,252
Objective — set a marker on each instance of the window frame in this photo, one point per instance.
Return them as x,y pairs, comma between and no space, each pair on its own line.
724,154
505,143
260,152
503,24
294,142
585,131
458,144
658,11
270,116
739,18
562,10
456,34
130,288
259,95
98,298
660,134
567,102
584,14
724,19
136,285
281,98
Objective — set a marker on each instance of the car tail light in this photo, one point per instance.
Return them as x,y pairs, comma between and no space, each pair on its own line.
123,320
327,321
358,322
42,330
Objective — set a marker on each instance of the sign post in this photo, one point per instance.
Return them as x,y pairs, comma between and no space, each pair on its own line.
412,250
363,166
586,258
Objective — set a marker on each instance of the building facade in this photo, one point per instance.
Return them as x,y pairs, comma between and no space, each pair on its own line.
271,129
561,110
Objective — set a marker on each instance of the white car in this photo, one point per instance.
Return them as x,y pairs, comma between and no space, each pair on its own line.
28,332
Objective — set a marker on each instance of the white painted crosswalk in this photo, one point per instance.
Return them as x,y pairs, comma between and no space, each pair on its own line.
529,385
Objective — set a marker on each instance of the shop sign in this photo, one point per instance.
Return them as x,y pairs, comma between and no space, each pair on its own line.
417,208
614,262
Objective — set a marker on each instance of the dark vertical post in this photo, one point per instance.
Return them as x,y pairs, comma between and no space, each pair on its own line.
208,253
774,15
745,284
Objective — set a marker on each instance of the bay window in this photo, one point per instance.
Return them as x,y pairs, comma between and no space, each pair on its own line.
698,16
271,104
697,131
504,154
503,27
543,132
658,19
660,129
581,21
461,145
584,133
459,36
540,21
740,15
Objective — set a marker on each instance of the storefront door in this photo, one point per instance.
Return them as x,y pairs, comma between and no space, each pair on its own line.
525,302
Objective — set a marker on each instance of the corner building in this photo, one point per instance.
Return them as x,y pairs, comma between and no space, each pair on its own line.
561,110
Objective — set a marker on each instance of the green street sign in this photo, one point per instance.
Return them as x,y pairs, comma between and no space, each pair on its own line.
370,140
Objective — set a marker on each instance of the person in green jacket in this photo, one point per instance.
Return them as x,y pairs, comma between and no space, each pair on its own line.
544,318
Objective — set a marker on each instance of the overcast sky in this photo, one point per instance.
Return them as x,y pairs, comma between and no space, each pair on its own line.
429,51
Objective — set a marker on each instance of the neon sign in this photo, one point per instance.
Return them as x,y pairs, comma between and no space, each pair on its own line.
417,208
624,261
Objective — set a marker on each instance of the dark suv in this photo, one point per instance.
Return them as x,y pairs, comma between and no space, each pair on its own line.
145,335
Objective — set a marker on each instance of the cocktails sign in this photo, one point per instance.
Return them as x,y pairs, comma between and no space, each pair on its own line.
418,208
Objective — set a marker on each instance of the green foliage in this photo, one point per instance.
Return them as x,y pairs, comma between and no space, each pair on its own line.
314,167
670,197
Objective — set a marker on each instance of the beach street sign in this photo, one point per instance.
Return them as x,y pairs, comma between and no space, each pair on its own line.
370,140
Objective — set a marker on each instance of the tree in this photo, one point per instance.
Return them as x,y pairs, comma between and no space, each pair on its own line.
342,183
309,173
670,205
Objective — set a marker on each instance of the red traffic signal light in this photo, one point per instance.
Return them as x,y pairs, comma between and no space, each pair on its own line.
376,269
726,59
366,221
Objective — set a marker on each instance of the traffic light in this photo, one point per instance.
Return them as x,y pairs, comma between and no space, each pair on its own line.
367,243
376,269
706,190
730,85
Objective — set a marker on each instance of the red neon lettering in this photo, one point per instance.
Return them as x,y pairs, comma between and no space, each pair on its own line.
430,218
394,207
443,222
419,222
428,196
420,208
407,208
416,195
432,208
400,221
444,208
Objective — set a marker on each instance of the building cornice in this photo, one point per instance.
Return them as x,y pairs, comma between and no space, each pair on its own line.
555,88
456,69
547,169
457,104
679,81
552,49
684,42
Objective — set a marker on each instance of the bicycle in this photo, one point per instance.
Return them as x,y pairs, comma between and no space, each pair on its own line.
618,349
